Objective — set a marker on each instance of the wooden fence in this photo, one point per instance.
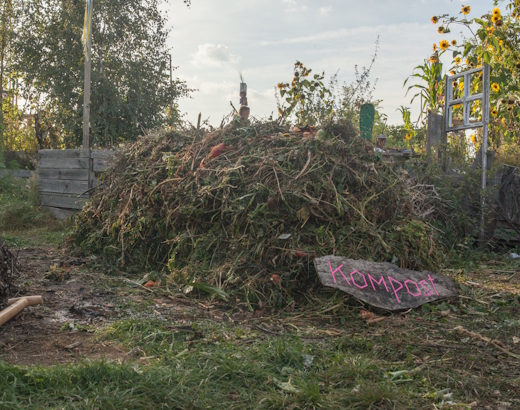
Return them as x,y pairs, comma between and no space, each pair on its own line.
66,178
18,174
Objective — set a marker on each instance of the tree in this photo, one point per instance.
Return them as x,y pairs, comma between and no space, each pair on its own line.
131,88
6,19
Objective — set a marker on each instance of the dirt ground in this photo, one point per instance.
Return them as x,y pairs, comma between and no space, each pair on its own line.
36,335
78,301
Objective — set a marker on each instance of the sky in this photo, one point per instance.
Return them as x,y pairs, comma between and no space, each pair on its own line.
214,40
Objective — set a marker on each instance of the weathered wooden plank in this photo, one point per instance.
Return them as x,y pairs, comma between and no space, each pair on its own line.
54,173
383,285
64,163
60,213
62,200
22,173
62,153
102,153
62,186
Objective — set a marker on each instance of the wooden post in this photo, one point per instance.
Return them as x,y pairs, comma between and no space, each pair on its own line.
86,103
86,100
485,122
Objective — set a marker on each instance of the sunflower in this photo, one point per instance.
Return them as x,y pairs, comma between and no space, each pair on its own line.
434,59
461,87
408,137
473,139
435,19
491,30
495,19
440,30
466,10
457,60
495,87
452,72
496,12
280,86
434,47
280,111
494,112
501,42
444,45
453,42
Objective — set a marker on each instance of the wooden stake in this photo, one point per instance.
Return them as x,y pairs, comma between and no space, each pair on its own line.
198,122
86,97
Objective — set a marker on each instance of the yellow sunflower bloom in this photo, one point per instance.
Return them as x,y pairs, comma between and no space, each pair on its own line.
452,72
494,112
461,87
440,30
435,47
466,10
435,19
495,87
504,122
496,12
457,60
453,42
491,30
408,137
501,42
444,45
434,59
495,19
473,139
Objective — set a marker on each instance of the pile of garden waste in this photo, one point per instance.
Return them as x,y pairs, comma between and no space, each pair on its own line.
245,208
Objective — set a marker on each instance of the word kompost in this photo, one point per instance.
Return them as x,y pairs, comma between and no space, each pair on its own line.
384,285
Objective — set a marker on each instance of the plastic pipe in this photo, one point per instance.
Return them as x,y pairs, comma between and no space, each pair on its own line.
13,310
17,305
33,300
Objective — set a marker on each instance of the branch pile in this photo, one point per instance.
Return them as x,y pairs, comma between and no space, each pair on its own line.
250,202
7,269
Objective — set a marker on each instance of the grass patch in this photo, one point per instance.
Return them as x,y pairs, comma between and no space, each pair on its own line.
208,366
22,221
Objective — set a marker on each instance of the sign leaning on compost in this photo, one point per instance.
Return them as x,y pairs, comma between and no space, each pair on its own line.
384,285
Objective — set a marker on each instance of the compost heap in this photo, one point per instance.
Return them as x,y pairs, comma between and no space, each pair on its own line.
7,268
247,207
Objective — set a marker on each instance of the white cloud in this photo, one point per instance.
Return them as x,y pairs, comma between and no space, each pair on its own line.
324,11
213,55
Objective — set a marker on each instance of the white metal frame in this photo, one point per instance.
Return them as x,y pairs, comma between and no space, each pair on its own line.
466,101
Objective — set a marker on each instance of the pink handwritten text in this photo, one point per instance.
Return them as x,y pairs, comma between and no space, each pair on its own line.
415,289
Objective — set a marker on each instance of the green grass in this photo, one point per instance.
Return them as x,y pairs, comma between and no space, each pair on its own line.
214,367
22,221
